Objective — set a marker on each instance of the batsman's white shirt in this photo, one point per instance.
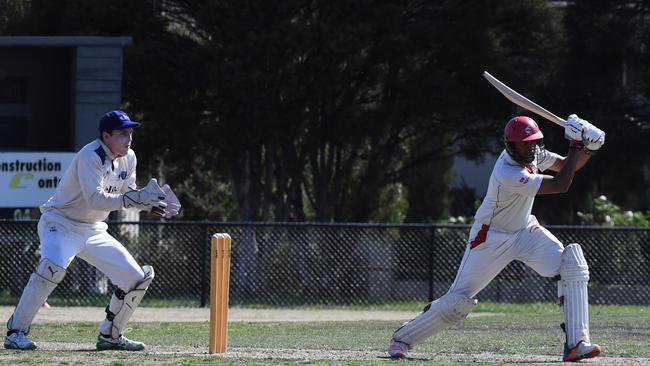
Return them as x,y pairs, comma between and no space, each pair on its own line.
511,192
72,221
504,229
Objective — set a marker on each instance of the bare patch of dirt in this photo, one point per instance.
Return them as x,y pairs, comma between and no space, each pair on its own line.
57,314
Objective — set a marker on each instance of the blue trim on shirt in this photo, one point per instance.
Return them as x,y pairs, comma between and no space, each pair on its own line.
102,154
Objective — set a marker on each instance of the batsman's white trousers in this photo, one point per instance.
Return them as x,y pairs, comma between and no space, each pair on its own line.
62,240
490,251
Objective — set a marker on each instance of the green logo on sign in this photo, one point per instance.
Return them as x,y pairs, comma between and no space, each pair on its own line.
15,181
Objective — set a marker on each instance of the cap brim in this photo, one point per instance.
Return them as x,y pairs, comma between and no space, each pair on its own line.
535,136
129,124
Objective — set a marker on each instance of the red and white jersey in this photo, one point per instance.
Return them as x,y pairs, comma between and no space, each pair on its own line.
511,192
92,186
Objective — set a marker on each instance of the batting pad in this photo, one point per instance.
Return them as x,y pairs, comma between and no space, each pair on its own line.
120,309
448,310
41,284
574,274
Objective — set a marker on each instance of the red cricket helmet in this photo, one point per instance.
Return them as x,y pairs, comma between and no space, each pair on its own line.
522,128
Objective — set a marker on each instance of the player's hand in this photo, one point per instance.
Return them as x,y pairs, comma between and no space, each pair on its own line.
173,204
150,198
593,138
574,128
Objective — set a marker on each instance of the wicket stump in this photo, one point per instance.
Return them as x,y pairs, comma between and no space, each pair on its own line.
219,291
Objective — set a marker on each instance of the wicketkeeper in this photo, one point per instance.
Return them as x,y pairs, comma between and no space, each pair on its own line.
504,230
100,179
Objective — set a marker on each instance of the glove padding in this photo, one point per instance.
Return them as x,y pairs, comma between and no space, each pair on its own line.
173,204
593,138
574,128
150,198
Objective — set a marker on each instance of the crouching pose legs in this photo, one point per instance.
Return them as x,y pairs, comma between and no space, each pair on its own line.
118,313
41,284
450,309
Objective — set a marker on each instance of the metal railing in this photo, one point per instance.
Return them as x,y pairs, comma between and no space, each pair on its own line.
315,263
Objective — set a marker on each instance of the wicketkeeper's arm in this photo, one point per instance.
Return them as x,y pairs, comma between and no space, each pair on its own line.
90,177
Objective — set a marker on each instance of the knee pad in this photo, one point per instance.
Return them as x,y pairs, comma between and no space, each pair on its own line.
123,304
573,296
574,265
41,284
455,308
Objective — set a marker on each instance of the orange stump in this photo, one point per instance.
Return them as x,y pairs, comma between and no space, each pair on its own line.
219,291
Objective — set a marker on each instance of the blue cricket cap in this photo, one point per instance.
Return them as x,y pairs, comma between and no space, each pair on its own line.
116,120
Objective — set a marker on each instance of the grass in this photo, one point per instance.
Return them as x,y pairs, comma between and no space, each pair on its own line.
513,329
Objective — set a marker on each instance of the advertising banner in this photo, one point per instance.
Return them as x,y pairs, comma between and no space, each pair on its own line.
28,179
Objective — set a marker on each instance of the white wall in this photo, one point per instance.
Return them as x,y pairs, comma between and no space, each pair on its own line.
475,175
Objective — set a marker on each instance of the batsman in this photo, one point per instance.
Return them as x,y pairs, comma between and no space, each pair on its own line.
504,230
100,179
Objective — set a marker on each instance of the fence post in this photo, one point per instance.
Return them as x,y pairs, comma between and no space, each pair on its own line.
431,261
205,246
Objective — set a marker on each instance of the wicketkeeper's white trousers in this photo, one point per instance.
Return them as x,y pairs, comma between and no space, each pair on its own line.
62,240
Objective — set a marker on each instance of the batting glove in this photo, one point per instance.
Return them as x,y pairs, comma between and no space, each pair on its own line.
574,128
593,138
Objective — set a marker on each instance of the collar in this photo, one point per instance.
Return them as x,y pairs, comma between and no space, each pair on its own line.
511,161
108,152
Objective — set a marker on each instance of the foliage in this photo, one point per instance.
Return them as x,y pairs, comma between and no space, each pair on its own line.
10,10
318,111
606,213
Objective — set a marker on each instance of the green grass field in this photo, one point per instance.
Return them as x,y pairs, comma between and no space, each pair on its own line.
502,335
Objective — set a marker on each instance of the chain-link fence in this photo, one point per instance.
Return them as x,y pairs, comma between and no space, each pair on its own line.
311,263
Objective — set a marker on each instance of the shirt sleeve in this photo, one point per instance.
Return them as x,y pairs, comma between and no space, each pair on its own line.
520,180
90,174
549,159
131,162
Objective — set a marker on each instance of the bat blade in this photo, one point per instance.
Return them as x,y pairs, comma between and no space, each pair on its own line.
522,101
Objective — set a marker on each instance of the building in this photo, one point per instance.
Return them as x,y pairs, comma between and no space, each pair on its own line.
53,91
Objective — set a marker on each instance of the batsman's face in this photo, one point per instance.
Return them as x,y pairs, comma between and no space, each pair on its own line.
525,148
529,150
119,141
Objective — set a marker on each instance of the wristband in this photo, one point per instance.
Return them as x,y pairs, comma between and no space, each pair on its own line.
577,145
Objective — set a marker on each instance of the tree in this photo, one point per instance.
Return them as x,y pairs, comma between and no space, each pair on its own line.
603,81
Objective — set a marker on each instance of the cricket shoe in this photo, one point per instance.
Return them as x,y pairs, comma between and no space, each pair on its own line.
122,343
18,340
397,349
581,351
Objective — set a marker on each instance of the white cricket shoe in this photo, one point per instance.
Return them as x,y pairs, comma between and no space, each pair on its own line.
581,351
397,349
19,340
121,344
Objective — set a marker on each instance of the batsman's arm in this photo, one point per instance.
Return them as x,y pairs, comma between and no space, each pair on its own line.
561,182
583,158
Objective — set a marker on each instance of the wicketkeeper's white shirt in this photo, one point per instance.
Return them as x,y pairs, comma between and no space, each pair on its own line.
91,187
511,192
